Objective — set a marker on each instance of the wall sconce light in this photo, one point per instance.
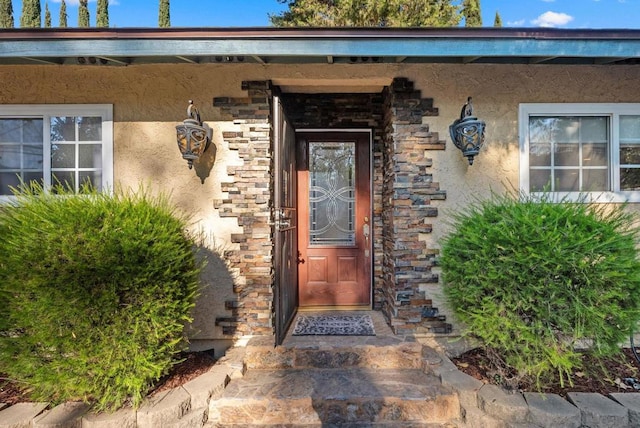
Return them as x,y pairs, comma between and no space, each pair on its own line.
467,132
193,136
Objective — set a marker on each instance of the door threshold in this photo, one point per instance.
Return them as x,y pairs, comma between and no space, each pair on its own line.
334,308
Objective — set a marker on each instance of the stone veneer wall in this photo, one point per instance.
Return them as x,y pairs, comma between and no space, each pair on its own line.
403,190
249,201
408,190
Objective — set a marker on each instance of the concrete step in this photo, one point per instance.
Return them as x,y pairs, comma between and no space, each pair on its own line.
326,397
382,353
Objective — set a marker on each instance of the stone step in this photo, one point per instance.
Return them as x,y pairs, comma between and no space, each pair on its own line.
325,397
376,353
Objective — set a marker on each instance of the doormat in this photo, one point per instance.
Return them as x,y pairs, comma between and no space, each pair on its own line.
334,325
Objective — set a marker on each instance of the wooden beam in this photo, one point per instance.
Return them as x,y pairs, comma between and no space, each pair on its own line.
185,59
541,60
117,61
470,59
603,61
43,61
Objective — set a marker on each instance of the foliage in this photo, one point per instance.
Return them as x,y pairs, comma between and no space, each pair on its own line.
47,16
367,13
497,22
95,291
535,280
102,15
62,19
6,14
83,14
30,16
164,14
472,14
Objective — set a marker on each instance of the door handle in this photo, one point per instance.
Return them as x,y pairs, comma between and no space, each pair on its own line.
366,232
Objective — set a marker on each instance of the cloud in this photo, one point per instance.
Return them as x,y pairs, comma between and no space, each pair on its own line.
518,23
552,19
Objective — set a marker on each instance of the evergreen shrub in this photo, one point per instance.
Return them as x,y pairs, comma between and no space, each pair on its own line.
95,290
537,280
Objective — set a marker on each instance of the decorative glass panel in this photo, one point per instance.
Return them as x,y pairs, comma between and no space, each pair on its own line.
332,194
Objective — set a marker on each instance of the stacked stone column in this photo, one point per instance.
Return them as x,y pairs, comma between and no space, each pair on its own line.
407,210
249,201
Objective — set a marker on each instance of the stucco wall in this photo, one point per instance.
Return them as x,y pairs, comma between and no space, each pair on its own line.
149,100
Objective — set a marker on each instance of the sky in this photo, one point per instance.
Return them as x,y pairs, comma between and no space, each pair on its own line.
255,13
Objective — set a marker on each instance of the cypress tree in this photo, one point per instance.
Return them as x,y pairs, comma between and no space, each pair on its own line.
47,16
497,22
102,16
83,14
6,14
31,14
164,15
471,12
62,20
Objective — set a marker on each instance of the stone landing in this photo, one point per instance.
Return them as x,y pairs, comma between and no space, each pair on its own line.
337,381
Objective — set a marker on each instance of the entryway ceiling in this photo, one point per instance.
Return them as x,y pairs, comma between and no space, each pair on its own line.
332,86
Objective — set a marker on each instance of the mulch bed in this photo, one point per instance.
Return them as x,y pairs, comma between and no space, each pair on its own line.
193,365
615,375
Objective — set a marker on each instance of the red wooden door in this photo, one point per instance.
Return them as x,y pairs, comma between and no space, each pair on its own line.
334,219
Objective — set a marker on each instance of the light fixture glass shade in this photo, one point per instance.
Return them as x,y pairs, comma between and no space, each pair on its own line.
193,137
467,132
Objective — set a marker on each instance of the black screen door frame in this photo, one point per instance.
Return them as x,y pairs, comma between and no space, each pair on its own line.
284,217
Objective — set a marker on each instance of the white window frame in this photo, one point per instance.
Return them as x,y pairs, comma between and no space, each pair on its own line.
45,112
611,110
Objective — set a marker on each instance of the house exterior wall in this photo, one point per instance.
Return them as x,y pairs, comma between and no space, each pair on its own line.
149,100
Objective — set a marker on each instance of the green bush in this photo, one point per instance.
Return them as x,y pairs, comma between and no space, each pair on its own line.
95,292
534,280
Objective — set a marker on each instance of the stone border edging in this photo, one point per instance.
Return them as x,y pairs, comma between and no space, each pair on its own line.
484,405
184,406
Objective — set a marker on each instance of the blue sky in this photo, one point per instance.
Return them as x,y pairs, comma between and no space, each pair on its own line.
247,13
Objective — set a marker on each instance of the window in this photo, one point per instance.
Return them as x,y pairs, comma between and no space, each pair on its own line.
56,144
581,149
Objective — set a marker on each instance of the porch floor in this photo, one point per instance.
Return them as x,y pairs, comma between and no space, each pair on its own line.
383,336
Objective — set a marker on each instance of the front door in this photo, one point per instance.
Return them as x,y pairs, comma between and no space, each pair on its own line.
334,219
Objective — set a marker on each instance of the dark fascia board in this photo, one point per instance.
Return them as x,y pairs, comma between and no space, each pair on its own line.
289,44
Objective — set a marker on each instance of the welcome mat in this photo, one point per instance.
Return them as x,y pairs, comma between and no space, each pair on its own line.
334,325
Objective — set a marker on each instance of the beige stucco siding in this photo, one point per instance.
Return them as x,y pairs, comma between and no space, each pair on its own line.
149,100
